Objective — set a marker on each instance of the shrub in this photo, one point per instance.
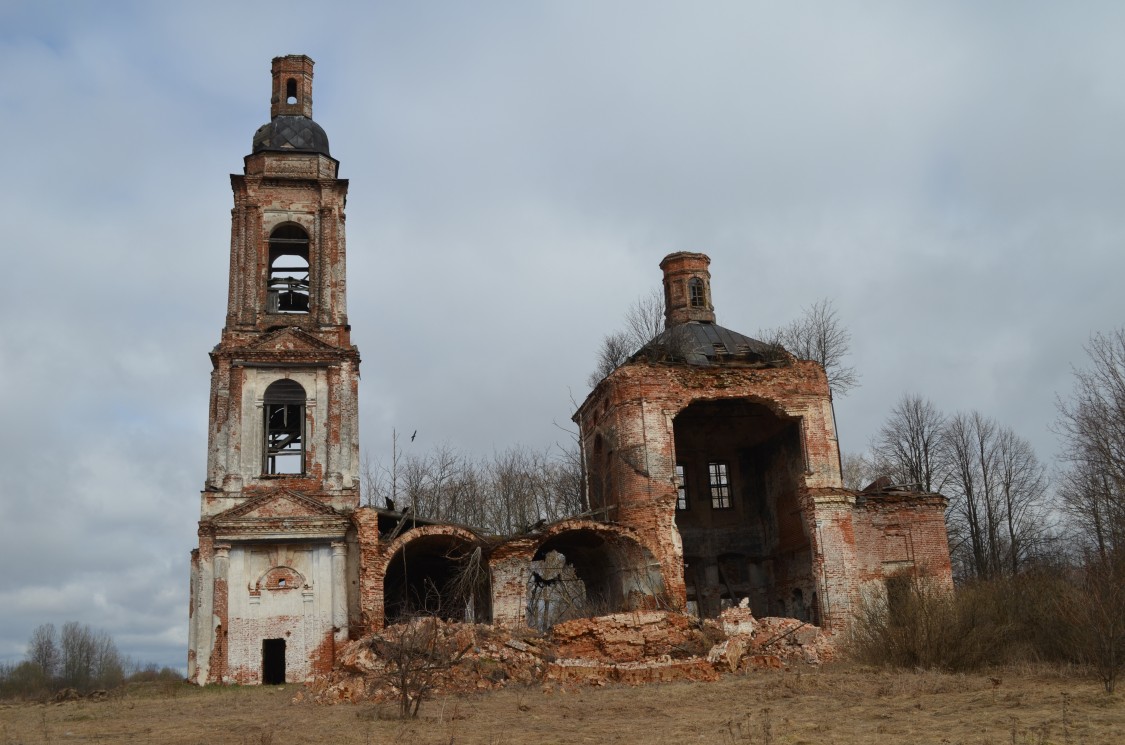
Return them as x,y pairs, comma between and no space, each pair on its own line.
919,623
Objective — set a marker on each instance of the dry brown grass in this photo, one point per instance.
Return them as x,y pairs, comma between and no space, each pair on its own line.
835,704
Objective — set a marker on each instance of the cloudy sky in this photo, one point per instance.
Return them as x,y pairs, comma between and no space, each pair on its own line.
951,175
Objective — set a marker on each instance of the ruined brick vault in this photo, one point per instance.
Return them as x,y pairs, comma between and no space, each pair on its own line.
713,471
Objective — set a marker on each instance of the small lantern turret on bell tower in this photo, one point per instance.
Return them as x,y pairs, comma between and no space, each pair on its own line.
292,86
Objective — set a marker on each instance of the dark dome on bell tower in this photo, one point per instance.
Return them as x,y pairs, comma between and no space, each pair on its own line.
291,127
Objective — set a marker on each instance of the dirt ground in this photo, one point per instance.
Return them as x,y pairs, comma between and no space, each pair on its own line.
836,703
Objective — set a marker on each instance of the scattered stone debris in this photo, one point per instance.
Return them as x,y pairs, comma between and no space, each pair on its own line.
629,648
65,695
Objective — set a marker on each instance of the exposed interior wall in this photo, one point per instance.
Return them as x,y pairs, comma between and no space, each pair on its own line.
771,423
590,570
737,512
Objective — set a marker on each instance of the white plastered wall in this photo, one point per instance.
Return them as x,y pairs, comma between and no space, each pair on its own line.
302,615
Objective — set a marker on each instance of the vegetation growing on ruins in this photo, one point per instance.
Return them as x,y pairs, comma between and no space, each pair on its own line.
1041,570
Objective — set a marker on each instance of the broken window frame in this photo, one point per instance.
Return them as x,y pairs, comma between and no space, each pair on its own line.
283,425
697,296
718,479
681,487
286,291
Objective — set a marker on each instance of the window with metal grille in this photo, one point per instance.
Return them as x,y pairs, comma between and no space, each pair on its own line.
288,287
284,403
720,485
681,489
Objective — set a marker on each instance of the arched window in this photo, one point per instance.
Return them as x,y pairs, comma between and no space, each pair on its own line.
288,288
291,91
696,295
284,428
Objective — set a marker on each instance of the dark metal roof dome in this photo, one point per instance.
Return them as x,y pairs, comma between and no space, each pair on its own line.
291,133
698,343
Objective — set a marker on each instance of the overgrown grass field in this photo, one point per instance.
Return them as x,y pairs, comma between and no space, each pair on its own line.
837,703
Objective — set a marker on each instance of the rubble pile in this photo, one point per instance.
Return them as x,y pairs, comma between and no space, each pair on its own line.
631,648
634,637
452,657
792,641
634,648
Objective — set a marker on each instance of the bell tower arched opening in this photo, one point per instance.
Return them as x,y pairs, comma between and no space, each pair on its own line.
287,290
284,407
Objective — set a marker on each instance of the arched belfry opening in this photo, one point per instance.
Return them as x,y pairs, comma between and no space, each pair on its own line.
740,468
287,290
284,415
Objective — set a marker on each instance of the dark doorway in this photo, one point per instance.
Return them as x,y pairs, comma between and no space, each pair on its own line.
273,661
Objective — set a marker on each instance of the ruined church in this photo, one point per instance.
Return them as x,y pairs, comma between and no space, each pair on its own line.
711,464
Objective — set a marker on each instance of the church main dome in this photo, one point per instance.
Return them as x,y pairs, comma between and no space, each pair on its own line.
291,133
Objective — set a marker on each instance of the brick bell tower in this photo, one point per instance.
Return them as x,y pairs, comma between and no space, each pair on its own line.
270,589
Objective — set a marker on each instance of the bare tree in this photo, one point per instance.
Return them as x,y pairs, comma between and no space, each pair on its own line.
1094,611
88,658
998,489
43,649
645,317
643,322
818,335
1094,508
505,493
1024,497
858,470
1092,425
906,448
416,653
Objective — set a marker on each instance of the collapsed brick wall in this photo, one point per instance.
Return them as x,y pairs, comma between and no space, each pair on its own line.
620,558
902,534
630,648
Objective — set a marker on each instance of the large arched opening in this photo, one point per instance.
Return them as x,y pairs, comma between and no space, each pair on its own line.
740,467
584,571
440,574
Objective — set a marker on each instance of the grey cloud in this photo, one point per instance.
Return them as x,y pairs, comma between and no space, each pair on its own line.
950,174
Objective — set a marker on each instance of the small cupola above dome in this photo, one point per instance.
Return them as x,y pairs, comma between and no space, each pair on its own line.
687,289
291,126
